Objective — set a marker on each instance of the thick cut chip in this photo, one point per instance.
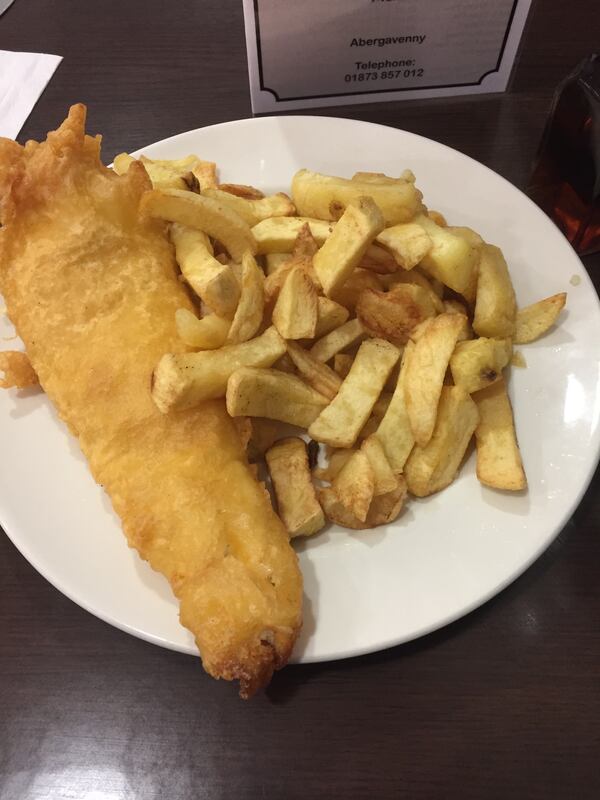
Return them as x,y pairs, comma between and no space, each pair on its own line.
385,479
184,380
392,282
426,366
452,259
379,260
471,236
318,375
381,177
275,281
323,196
495,304
408,242
340,423
343,250
213,282
479,363
162,177
534,320
205,172
361,279
306,244
394,431
242,190
253,211
249,312
174,174
355,485
297,501
434,466
253,392
384,509
499,462
393,315
279,234
296,309
337,340
330,315
202,213
452,306
207,333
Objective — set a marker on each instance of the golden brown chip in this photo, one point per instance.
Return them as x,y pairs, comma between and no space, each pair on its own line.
495,304
409,243
361,279
393,315
452,259
340,423
320,196
330,315
318,375
338,339
355,485
426,366
201,213
249,312
270,393
499,463
384,509
183,380
306,245
297,502
241,190
344,249
534,320
434,466
296,310
394,431
385,479
478,363
379,260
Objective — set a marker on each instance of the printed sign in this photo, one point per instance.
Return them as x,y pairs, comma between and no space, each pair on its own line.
337,52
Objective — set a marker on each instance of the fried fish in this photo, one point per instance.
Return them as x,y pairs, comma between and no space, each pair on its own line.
92,289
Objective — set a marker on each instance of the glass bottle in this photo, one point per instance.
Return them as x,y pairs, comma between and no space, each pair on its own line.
565,181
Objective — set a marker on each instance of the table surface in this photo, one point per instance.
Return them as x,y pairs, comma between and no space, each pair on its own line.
503,702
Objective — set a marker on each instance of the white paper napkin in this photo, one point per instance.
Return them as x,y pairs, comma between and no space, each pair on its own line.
23,77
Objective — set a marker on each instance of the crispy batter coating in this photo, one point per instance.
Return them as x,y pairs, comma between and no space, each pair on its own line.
92,289
17,370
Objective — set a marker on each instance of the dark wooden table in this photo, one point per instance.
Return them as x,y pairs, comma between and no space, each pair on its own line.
504,703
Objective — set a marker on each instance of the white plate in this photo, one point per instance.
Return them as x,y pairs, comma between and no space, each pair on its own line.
446,554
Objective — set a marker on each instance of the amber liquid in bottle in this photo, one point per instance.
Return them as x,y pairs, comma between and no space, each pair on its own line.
566,179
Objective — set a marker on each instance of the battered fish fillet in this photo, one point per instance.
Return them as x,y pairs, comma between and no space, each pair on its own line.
92,290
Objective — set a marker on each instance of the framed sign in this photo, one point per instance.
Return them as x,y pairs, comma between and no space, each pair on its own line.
334,52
